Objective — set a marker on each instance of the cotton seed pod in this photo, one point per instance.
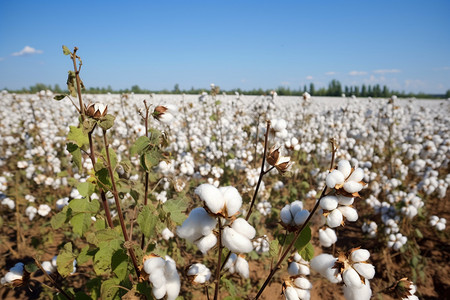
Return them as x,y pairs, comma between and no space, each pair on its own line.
327,237
365,270
207,242
244,228
360,255
363,293
344,167
343,200
290,293
159,292
349,213
357,175
329,202
301,216
96,110
351,278
303,283
242,267
285,215
236,242
295,207
153,263
232,198
334,178
352,187
334,218
212,197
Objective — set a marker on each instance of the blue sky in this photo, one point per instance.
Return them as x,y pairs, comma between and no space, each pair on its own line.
234,44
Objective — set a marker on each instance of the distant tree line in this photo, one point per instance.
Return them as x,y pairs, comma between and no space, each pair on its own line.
334,88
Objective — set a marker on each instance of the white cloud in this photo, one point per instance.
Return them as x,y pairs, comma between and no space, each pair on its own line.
330,73
309,77
386,71
357,73
27,50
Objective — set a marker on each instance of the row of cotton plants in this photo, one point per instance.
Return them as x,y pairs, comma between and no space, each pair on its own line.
255,174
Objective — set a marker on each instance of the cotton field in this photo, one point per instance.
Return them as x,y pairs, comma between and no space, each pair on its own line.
224,197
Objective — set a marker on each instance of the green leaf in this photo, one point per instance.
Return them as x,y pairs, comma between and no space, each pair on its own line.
110,289
105,235
76,154
229,286
303,239
119,263
418,233
59,97
80,223
86,189
93,286
103,178
76,135
82,296
112,157
66,50
144,289
89,124
71,83
85,255
147,221
65,259
152,158
106,122
60,218
140,145
155,136
31,267
307,252
103,257
274,248
176,209
83,205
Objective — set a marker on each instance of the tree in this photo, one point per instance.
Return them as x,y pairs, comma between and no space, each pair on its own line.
363,90
176,88
312,91
334,88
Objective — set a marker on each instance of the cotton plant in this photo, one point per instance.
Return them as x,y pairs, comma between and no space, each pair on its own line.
163,275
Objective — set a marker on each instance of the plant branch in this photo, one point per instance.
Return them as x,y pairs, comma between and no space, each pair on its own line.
119,210
77,78
55,284
219,262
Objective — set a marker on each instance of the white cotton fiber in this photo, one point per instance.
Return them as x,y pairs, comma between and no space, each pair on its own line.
329,202
233,199
207,242
236,242
349,213
344,167
244,228
212,197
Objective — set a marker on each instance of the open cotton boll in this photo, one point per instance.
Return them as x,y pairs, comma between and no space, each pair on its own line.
244,228
352,187
233,199
357,175
48,267
363,293
334,218
333,178
301,216
285,215
159,292
236,242
207,242
241,267
198,223
230,263
327,237
360,255
344,167
345,200
212,197
173,286
296,206
290,293
329,202
200,271
323,263
351,278
15,273
153,264
303,283
157,278
349,213
365,270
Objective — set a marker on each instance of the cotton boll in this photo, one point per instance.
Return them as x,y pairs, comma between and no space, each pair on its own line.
207,242
329,202
357,175
301,216
285,215
236,242
365,270
303,283
352,187
173,286
157,278
327,237
48,267
167,234
229,265
349,213
241,267
335,218
244,228
198,223
15,273
290,293
344,167
351,278
345,200
159,292
333,178
323,263
212,197
233,199
360,255
296,206
303,294
363,293
153,264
